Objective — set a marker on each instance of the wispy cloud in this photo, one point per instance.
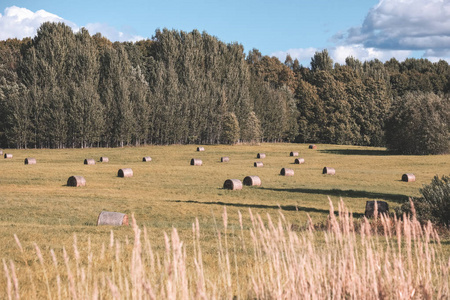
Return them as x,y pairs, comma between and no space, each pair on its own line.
18,22
394,28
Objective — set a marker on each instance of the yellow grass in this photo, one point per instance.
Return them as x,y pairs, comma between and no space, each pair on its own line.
168,193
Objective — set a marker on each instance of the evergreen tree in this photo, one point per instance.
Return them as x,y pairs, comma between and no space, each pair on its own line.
230,129
17,124
251,130
321,62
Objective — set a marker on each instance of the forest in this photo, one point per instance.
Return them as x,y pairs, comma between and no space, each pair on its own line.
65,89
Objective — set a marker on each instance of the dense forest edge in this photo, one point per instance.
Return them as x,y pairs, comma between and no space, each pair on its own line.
66,89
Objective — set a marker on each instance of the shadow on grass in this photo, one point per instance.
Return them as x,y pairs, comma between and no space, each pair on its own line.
282,207
345,193
357,152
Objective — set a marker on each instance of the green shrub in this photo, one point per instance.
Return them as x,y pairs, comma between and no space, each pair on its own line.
434,205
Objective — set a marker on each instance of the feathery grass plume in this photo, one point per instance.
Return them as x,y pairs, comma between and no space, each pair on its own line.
44,269
350,259
30,275
58,277
8,280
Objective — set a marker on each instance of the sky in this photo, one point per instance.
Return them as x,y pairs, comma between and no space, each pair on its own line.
364,29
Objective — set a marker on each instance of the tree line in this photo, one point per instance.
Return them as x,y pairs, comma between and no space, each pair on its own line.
65,89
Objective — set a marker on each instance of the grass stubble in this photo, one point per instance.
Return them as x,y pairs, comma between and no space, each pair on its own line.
180,251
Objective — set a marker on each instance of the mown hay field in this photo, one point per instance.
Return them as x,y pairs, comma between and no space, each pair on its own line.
39,208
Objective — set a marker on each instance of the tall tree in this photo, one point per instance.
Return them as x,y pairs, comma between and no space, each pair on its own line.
321,61
419,124
251,129
230,129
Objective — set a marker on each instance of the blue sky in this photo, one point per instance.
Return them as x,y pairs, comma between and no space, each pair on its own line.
365,29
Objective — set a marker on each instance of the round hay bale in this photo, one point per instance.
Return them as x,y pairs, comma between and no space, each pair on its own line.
232,184
1,152
89,161
252,181
328,171
199,149
30,161
196,162
224,159
258,164
299,161
287,172
312,147
408,177
76,181
104,159
8,155
146,158
261,155
293,154
112,218
382,208
126,172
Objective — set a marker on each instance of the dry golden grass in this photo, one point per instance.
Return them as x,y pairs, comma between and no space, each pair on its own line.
269,261
168,193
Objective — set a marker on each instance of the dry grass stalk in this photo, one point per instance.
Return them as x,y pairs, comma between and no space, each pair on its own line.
30,161
405,261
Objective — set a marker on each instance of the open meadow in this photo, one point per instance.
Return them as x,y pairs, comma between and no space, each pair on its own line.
167,193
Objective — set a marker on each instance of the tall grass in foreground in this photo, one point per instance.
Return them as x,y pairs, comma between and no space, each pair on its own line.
383,258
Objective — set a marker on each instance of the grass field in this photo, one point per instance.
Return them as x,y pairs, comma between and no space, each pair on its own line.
38,207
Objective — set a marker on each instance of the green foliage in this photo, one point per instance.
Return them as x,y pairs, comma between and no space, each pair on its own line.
251,130
65,89
419,124
321,61
230,129
434,205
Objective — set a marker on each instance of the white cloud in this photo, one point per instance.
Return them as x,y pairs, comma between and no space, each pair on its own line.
111,33
392,28
340,53
17,22
302,54
405,25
